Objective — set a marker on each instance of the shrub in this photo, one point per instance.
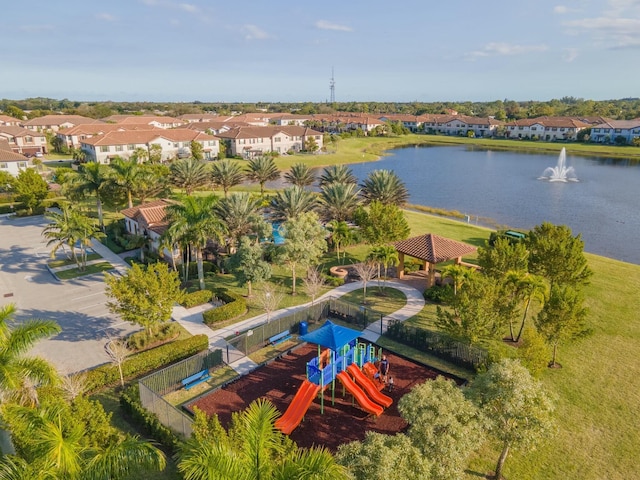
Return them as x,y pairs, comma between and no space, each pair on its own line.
333,281
439,294
207,267
130,403
141,340
234,306
144,362
194,299
411,266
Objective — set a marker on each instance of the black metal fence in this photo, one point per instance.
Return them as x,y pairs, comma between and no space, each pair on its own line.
438,344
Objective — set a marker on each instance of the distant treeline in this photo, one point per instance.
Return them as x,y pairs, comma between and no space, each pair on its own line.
622,109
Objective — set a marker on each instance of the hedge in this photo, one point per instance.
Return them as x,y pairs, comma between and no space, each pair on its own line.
196,298
234,306
146,361
130,403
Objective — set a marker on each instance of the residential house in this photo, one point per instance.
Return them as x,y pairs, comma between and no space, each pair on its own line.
12,162
72,137
56,122
616,131
412,122
366,124
215,127
199,117
150,221
8,121
159,121
173,142
23,141
546,128
249,142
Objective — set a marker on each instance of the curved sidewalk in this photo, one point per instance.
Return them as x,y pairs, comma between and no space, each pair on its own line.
192,319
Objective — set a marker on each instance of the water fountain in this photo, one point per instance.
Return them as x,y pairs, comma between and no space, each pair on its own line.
560,173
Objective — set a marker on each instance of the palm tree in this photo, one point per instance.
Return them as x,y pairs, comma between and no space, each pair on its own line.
19,373
458,274
338,201
262,170
240,213
532,287
189,174
291,202
61,449
254,449
194,222
384,255
341,235
153,181
71,228
126,174
384,186
300,175
93,179
226,174
337,174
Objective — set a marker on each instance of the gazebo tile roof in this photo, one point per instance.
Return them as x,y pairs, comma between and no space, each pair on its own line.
433,248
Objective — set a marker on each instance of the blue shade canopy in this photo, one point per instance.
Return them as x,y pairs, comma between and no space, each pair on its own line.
331,336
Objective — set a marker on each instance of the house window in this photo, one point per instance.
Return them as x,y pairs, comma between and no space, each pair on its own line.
104,148
241,141
22,164
131,146
618,130
28,139
4,165
317,137
119,148
276,139
534,128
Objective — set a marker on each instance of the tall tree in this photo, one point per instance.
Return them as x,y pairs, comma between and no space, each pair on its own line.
563,317
313,283
385,256
530,288
248,265
338,201
304,243
126,174
382,223
337,174
194,221
384,186
458,274
155,153
152,182
262,170
384,457
31,189
240,214
300,175
291,202
253,449
144,296
517,409
226,174
557,255
19,373
503,257
92,179
189,174
443,425
341,235
197,152
366,271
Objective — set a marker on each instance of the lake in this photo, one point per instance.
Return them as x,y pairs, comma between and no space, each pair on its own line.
502,188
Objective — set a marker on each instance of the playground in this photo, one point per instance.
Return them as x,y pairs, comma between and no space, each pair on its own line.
328,422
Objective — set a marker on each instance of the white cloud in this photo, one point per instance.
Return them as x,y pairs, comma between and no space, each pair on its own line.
325,25
505,49
185,7
107,17
188,7
617,26
560,9
253,32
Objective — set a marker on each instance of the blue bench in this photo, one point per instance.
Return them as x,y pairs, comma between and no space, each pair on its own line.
281,337
195,379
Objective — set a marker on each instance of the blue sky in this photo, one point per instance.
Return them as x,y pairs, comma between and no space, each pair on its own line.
282,50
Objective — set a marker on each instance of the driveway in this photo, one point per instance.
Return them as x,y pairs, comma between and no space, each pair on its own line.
78,305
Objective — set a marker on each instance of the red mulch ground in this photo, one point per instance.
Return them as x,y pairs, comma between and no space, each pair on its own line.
341,423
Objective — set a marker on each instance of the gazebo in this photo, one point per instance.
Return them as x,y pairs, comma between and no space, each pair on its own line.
431,249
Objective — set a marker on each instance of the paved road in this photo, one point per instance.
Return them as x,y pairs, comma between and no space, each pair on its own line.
77,305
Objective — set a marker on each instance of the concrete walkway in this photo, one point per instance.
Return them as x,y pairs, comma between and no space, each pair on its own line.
118,263
192,320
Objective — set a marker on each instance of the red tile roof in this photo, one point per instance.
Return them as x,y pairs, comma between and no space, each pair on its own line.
433,248
151,215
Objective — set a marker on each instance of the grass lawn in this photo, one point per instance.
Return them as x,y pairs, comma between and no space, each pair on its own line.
218,377
382,302
67,261
91,269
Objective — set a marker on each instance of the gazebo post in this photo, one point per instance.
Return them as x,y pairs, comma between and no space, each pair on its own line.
400,270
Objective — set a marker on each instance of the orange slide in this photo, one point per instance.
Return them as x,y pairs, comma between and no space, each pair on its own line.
298,407
369,387
361,397
370,369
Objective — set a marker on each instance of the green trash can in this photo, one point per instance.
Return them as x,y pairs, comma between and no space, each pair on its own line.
302,330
